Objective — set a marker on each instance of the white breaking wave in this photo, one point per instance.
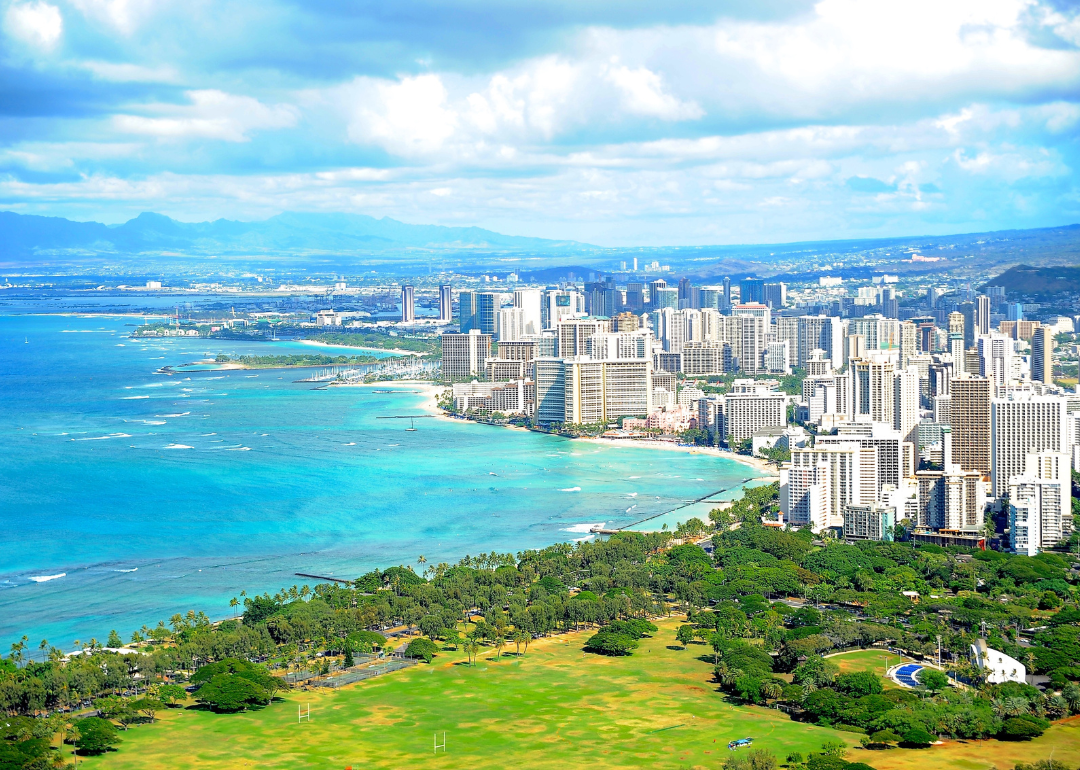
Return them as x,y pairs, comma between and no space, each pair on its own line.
580,528
179,446
133,569
571,489
46,578
133,398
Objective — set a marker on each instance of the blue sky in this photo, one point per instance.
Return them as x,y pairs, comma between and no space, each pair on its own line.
629,123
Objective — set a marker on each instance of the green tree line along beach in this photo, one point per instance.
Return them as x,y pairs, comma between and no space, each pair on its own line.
640,650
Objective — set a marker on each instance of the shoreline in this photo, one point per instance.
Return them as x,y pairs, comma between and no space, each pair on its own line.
761,466
394,351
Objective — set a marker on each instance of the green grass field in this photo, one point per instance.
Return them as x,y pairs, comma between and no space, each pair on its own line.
867,660
551,708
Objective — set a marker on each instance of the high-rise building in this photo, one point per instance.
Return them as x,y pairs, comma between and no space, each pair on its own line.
775,295
752,290
561,304
710,299
479,310
967,310
895,458
747,413
574,333
909,347
706,357
446,303
881,334
1018,427
635,297
777,357
408,304
951,499
584,390
842,473
463,355
529,302
995,358
750,326
685,293
821,332
956,324
511,324
870,522
663,297
970,421
982,313
467,311
601,298
625,322
874,389
1040,503
727,295
1042,355
906,403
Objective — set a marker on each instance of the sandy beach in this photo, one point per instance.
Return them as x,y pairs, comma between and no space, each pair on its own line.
431,392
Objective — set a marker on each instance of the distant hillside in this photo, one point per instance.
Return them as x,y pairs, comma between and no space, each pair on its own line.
1025,279
23,236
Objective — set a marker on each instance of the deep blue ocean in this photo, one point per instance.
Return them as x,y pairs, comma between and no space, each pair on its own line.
153,494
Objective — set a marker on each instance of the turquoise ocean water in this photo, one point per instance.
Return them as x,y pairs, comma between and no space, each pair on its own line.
153,495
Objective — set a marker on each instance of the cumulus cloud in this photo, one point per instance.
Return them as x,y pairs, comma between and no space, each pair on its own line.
643,94
409,117
211,115
848,117
35,23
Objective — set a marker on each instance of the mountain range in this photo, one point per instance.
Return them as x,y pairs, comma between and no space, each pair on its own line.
25,236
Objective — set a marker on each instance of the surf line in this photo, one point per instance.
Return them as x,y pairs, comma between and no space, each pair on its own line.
679,507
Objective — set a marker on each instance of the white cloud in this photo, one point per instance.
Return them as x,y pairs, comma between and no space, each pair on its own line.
123,15
211,115
643,94
35,23
854,52
409,117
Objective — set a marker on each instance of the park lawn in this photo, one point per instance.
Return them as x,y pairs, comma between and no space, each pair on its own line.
1063,739
867,660
551,708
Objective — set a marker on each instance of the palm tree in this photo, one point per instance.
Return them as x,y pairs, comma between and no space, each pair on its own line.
500,642
17,650
420,560
44,647
472,649
518,637
771,689
233,602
